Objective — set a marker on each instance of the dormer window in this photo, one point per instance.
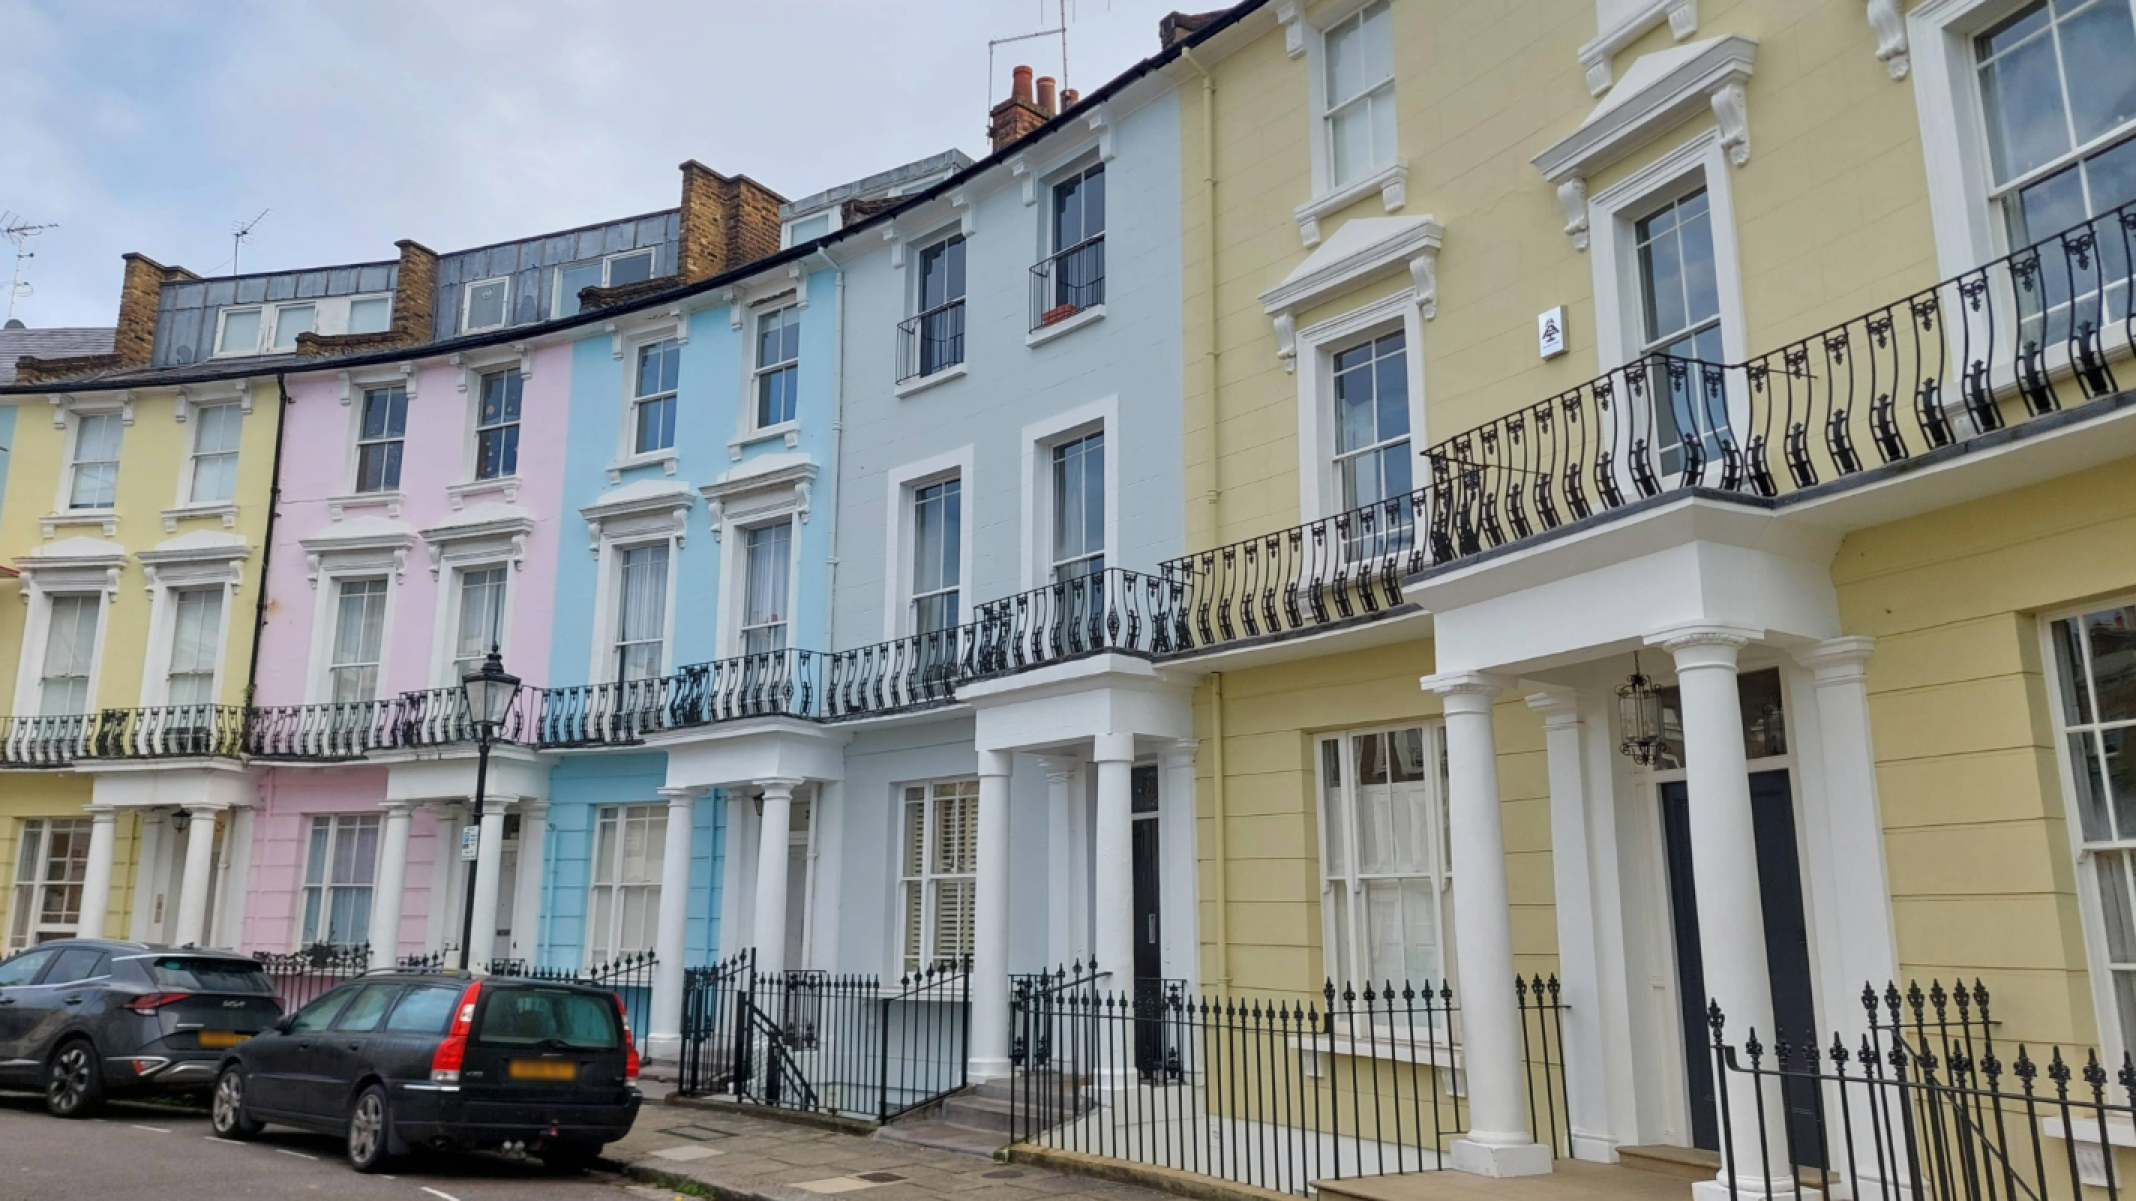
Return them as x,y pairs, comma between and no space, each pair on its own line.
486,304
630,267
289,321
808,229
370,314
273,328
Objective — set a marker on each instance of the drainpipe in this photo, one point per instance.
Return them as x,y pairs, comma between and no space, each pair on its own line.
274,507
1207,371
1218,821
830,591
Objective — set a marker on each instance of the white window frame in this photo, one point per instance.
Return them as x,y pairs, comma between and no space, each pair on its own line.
189,485
1039,439
453,608
835,212
357,442
767,500
556,273
348,315
663,520
333,621
735,574
96,576
467,303
338,825
1319,487
901,484
1441,875
610,644
627,452
758,369
25,897
904,959
176,604
620,815
330,318
480,380
1390,181
173,578
1954,146
75,420
1055,560
915,290
2114,1041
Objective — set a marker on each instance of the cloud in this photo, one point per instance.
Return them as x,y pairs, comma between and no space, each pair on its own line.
156,127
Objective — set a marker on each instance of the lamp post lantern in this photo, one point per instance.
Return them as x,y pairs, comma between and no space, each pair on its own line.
489,693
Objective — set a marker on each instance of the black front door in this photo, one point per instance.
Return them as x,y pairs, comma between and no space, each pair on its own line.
1149,942
1787,956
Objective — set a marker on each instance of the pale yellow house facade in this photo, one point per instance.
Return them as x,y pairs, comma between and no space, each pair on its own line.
1461,238
133,518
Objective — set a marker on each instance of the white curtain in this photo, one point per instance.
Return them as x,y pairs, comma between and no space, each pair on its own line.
764,611
70,643
196,628
644,618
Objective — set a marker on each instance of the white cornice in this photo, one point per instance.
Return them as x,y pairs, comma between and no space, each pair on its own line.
657,505
1660,91
1363,250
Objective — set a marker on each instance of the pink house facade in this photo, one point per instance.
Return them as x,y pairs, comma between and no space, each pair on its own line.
417,527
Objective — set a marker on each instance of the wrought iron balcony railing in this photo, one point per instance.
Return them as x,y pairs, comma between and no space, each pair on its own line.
2029,335
931,341
1068,282
2036,333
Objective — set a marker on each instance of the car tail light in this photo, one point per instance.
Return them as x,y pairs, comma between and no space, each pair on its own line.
446,1060
630,1045
151,1002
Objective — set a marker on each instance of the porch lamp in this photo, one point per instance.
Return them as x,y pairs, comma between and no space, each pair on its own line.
1639,717
489,693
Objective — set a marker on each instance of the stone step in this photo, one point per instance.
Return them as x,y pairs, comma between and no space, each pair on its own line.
1028,1088
974,1112
1684,1163
942,1136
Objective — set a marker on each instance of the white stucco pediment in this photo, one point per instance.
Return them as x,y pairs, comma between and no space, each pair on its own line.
640,507
1619,23
764,486
80,563
1658,93
357,544
489,531
78,549
1364,250
199,557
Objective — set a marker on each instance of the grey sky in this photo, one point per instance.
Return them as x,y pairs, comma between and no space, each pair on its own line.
157,126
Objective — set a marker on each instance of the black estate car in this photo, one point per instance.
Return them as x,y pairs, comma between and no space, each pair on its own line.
402,1060
82,1019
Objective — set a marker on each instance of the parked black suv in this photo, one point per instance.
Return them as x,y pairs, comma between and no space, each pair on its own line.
406,1060
81,1019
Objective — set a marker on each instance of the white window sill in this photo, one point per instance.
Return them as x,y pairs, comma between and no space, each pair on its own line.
457,494
389,499
1392,184
789,431
106,519
668,460
924,382
224,509
1065,326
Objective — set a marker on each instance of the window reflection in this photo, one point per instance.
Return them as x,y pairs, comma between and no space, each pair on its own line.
1764,719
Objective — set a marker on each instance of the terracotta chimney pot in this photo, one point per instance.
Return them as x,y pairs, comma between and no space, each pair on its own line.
1021,88
1046,99
1069,97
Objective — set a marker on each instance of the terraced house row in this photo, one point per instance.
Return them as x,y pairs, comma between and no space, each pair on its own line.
1512,576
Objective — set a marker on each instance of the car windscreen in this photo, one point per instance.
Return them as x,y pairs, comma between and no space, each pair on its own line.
424,1010
202,973
532,1016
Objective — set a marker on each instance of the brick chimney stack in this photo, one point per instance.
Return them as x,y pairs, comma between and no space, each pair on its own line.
1046,100
1017,116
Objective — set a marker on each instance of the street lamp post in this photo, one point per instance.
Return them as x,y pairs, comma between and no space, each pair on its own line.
489,693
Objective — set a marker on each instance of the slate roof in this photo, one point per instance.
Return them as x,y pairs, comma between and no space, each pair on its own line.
50,344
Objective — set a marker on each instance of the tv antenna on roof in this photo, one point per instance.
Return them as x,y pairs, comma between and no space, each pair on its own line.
1060,30
18,230
241,231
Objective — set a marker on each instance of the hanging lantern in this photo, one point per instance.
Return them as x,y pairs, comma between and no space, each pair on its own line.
1639,717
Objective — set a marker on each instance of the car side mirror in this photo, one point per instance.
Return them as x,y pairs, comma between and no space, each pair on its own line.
283,1023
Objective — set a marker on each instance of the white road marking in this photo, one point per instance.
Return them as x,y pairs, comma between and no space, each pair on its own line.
298,1154
435,1193
150,1129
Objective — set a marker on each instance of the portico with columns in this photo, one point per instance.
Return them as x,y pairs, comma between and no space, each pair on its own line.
1742,866
192,860
435,795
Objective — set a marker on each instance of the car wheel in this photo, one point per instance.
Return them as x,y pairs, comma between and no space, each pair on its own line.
226,1111
569,1157
371,1131
74,1080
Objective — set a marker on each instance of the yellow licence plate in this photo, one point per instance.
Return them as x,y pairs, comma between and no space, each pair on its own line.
221,1038
543,1069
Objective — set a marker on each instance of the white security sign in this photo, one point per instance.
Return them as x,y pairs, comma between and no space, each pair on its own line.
1550,332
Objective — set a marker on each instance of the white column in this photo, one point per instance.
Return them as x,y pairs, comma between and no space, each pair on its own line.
1113,849
1579,939
192,930
526,889
489,874
237,878
1731,919
441,921
1182,911
391,882
733,875
96,878
990,921
1498,1142
827,817
1061,797
664,1040
774,849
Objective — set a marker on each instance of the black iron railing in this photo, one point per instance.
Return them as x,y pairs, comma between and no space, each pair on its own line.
163,732
1108,610
1068,282
852,1045
1919,1100
300,977
930,341
1271,1092
777,683
340,730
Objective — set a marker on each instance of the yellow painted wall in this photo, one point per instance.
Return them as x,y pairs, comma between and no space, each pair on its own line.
25,795
1982,869
154,456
